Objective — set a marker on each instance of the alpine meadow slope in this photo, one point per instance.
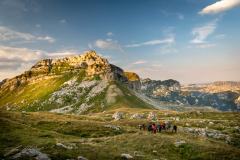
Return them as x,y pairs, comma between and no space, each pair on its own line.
84,108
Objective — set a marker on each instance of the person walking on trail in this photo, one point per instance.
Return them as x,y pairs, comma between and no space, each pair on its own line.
154,128
142,127
159,127
149,127
174,129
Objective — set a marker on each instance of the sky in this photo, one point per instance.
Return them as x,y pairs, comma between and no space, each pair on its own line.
192,41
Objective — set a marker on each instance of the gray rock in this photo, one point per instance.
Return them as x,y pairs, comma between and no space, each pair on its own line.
113,127
117,116
71,146
152,116
31,152
81,158
126,156
179,143
137,116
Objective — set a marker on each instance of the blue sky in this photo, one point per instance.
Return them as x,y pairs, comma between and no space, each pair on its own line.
192,41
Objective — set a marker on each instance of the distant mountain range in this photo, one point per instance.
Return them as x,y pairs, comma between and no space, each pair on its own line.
89,83
220,95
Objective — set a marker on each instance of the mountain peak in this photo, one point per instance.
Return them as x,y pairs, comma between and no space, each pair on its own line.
89,63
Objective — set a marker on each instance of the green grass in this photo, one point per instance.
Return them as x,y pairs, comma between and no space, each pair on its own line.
94,141
128,100
25,96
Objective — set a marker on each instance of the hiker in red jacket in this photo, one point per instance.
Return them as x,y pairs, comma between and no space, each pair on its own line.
154,128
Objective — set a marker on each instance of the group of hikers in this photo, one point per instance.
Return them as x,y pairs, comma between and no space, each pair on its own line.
154,128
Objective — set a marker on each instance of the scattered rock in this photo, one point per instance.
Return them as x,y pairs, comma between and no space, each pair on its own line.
152,116
70,146
81,158
137,116
208,133
117,116
210,123
113,127
154,151
138,154
65,109
179,143
31,152
126,156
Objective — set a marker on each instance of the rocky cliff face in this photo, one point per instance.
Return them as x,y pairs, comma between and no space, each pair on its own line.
92,64
133,80
222,98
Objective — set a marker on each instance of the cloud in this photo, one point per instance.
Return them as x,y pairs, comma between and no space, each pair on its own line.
139,62
7,34
169,40
14,61
202,33
207,45
168,48
220,6
166,13
109,34
63,21
38,26
61,54
108,44
220,36
180,16
19,54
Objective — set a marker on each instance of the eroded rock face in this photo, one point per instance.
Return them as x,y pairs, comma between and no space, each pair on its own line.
93,65
237,102
171,91
112,93
133,80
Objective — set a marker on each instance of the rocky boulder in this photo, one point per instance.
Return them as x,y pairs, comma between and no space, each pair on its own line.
117,116
152,116
137,116
30,153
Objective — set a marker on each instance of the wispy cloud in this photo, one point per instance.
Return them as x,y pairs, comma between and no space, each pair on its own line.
109,34
63,21
7,34
38,26
167,40
19,54
139,62
180,16
166,13
220,6
202,33
14,61
108,44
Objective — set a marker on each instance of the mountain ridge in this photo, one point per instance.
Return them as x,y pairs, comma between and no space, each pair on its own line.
68,73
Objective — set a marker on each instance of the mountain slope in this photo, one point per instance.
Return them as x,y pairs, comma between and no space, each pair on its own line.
220,95
78,84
